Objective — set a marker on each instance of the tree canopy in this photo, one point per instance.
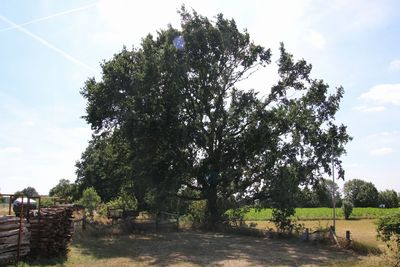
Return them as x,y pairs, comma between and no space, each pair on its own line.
28,191
389,198
188,131
64,190
361,193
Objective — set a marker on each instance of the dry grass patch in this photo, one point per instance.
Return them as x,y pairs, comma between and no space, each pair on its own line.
362,231
192,248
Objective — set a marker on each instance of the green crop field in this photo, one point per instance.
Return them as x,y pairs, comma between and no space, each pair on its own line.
321,213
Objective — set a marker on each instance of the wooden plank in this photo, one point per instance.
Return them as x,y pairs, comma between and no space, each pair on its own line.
12,232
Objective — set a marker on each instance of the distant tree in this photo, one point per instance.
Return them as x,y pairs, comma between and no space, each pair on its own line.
320,195
325,190
64,190
389,198
398,195
361,193
28,191
306,198
90,199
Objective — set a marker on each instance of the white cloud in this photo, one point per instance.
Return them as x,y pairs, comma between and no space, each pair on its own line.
394,65
10,150
383,94
315,39
369,109
383,151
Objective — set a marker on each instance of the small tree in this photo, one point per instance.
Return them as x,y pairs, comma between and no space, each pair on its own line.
347,208
90,199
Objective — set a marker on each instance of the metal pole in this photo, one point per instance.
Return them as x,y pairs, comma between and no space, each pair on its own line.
21,215
10,199
333,192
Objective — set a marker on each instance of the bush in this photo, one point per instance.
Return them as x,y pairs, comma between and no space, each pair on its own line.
46,202
347,208
392,250
388,225
197,211
236,216
90,199
281,219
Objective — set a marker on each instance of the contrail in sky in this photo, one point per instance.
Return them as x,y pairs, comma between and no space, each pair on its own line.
51,16
47,44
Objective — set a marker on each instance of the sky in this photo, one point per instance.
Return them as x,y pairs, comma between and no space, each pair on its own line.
49,48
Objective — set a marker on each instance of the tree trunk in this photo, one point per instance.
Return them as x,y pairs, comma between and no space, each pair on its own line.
212,212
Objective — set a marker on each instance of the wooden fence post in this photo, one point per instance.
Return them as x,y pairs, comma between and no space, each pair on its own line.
84,220
348,237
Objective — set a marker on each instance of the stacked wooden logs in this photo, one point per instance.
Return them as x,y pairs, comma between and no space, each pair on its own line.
14,238
51,231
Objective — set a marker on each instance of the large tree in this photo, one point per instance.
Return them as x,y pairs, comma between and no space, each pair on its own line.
193,133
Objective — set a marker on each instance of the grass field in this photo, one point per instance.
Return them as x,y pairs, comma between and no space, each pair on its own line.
321,213
361,224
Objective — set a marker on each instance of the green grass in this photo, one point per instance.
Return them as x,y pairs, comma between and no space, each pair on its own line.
321,213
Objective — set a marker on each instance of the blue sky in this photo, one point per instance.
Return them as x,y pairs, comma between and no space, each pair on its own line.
49,48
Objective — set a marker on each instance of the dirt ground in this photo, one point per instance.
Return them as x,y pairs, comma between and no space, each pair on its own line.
200,249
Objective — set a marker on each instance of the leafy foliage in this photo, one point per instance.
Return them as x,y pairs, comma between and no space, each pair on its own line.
389,198
90,199
184,126
105,166
28,191
347,208
236,216
320,195
64,190
388,225
361,193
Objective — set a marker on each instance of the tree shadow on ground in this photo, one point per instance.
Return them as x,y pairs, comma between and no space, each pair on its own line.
39,261
207,248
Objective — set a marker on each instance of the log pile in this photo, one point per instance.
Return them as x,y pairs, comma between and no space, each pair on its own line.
10,234
51,231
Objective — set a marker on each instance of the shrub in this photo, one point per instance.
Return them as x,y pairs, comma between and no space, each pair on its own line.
388,225
90,199
392,250
197,211
281,219
347,208
236,216
46,202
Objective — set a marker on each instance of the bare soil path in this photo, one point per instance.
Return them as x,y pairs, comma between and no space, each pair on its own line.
200,249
